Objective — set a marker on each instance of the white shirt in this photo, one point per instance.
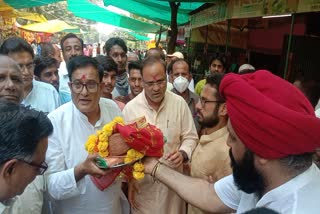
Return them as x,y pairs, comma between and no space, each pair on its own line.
297,196
66,150
191,85
43,97
6,206
31,200
63,78
318,113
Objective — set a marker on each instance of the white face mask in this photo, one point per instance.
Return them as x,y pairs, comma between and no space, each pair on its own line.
181,84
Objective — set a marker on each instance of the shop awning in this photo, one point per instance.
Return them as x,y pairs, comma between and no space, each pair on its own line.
139,37
7,11
158,11
88,10
51,26
19,4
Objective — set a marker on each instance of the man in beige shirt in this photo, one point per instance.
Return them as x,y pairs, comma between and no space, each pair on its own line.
170,113
210,159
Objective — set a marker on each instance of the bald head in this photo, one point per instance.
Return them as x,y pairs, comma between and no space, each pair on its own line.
11,85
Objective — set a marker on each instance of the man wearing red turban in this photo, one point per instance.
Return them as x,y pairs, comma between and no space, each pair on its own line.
273,133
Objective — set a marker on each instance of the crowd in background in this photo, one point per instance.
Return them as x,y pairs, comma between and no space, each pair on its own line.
79,88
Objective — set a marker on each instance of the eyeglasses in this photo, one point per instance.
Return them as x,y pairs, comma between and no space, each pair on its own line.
29,66
152,84
41,168
91,86
203,101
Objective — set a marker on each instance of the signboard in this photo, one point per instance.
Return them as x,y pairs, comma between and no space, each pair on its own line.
210,15
278,7
308,6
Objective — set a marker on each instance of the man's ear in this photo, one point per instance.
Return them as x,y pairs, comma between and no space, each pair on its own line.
36,77
8,168
260,160
223,109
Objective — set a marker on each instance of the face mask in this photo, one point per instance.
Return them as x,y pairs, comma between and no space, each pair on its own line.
181,84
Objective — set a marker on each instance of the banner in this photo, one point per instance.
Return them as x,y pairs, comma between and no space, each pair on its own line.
245,9
308,6
278,7
210,15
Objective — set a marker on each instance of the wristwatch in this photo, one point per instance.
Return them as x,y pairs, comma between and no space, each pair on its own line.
184,155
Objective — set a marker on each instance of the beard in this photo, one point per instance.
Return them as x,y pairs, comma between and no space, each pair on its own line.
245,175
212,120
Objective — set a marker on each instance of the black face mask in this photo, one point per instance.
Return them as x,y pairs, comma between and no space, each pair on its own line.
245,175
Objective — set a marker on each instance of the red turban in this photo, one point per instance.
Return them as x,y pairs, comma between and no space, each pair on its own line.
270,115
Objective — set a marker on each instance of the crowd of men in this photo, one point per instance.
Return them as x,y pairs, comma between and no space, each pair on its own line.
234,142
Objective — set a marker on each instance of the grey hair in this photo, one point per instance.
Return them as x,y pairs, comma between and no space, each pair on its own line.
297,163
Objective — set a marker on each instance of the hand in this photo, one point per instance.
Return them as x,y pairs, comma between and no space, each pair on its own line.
132,190
89,167
175,159
117,145
149,164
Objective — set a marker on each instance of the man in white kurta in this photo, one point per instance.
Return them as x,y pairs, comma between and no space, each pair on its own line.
174,119
70,166
66,150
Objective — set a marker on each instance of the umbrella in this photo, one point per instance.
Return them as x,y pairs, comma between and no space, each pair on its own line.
51,26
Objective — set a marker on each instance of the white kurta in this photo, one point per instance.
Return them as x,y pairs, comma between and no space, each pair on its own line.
43,97
174,119
297,196
66,150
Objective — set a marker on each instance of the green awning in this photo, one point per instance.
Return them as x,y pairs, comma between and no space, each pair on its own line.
158,11
139,37
19,4
88,10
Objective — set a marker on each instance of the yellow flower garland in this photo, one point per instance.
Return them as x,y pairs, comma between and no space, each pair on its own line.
98,143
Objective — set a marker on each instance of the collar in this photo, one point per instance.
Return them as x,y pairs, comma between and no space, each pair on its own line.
6,204
84,117
190,98
291,186
63,68
204,139
164,101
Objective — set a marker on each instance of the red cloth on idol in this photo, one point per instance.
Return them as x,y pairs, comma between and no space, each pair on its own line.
270,115
147,139
140,136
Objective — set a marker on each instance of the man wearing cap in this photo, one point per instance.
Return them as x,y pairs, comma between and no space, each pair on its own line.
246,68
270,150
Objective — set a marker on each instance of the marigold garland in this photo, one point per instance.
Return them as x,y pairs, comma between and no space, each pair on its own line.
98,143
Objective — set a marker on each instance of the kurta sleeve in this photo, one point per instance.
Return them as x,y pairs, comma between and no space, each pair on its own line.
60,180
189,136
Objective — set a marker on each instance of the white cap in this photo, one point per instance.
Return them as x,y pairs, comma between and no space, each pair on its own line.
246,67
177,54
